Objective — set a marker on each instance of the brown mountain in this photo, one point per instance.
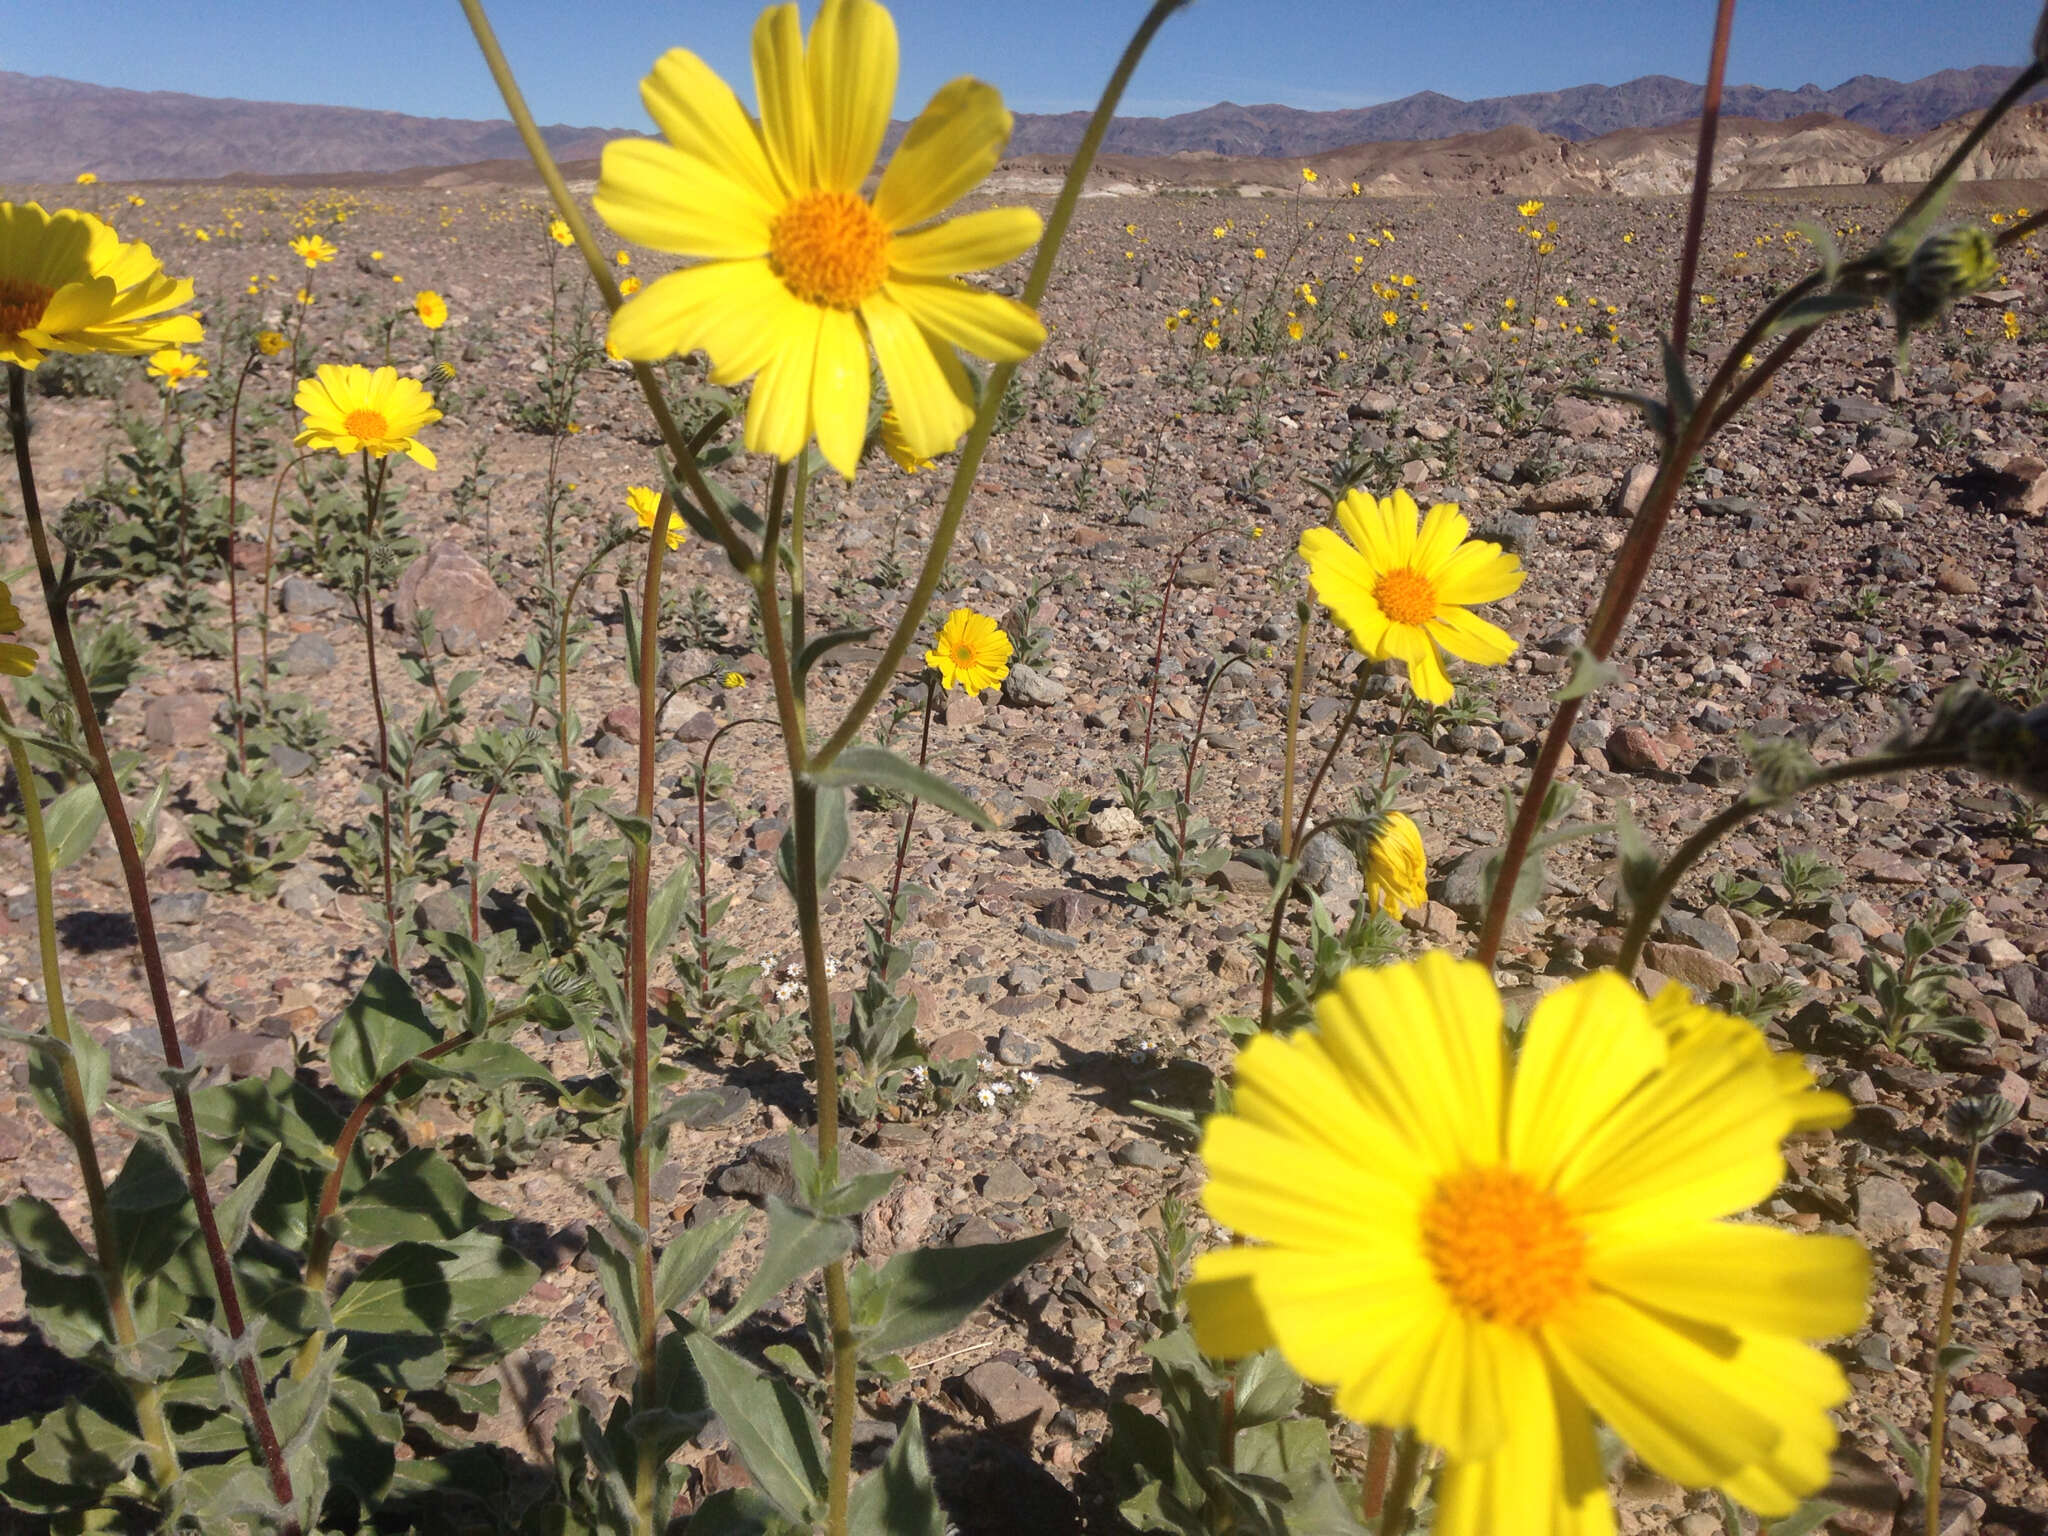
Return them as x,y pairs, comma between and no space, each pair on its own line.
52,129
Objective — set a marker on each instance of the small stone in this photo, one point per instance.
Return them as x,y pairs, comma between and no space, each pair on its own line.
1142,1154
1007,1184
190,966
1112,826
1004,1397
1026,686
1057,848
453,587
178,720
1886,1209
306,893
1957,582
307,656
290,761
178,908
1016,1049
961,708
623,721
303,599
1635,490
1703,973
2006,1282
1633,749
1100,981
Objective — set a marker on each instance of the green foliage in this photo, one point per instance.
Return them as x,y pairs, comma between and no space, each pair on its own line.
1806,878
1068,809
881,1056
257,827
1911,1005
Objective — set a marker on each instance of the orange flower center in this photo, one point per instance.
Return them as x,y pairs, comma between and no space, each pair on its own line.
22,304
1505,1250
963,655
829,249
1406,596
366,426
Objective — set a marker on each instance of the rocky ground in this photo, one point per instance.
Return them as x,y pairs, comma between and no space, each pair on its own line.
1863,537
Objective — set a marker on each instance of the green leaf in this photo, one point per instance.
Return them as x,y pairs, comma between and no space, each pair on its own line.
485,1063
816,648
615,1277
235,1211
78,1446
2002,1208
1678,390
413,1286
71,821
1589,675
833,839
688,1262
798,1244
739,1512
58,1279
929,1291
1954,1357
770,1427
418,1198
383,1028
1267,1389
1807,1518
666,907
898,1498
1817,307
46,1059
879,768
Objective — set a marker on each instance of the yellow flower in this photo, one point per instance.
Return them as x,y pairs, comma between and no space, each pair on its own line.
15,660
2011,322
68,283
1396,868
800,273
733,680
87,178
898,447
174,365
376,255
629,286
1211,340
1403,593
1294,330
1390,316
644,502
558,231
1258,253
1530,209
314,249
349,408
1494,1254
201,236
970,650
431,308
1307,174
136,200
1354,189
304,296
624,258
270,343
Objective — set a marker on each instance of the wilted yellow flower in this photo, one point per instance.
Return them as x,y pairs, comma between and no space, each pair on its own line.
559,232
971,650
173,366
1403,593
350,407
313,249
645,503
270,343
1396,868
798,272
15,660
431,308
898,447
68,283
733,680
1494,1253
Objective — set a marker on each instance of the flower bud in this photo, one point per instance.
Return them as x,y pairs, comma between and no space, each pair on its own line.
2013,749
1948,265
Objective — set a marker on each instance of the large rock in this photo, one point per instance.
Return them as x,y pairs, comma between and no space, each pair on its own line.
178,720
452,586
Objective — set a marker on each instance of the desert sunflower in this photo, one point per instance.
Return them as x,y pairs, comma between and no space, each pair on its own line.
174,366
431,308
1402,593
313,250
1493,1255
68,283
799,273
15,660
644,502
970,650
349,407
1396,868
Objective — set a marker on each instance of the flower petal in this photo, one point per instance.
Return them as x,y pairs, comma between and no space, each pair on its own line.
1343,582
698,113
1544,1479
1744,1277
1443,530
950,149
1290,1085
779,411
1223,1308
1469,637
1383,535
852,65
735,312
985,325
974,242
782,89
1282,1189
1426,673
1477,572
655,195
930,410
1804,1384
1588,1046
840,391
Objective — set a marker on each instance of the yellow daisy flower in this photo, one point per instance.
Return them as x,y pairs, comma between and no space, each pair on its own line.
628,286
431,308
314,250
1493,1254
1308,174
1530,209
733,680
644,502
895,445
68,283
350,407
798,272
1396,868
15,660
270,343
173,366
1403,593
971,650
86,178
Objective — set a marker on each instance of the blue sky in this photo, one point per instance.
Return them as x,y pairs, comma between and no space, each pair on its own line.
580,61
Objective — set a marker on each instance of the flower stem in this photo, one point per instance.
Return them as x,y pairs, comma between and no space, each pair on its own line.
101,767
234,591
1702,173
1400,1498
148,1400
270,543
1944,1331
924,743
373,500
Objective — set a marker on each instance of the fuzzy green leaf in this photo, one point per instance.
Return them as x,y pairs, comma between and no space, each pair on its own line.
418,1198
687,1262
769,1425
880,768
798,1244
384,1027
898,1498
929,1291
425,1287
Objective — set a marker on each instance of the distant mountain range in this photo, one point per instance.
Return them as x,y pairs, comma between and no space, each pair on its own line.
52,129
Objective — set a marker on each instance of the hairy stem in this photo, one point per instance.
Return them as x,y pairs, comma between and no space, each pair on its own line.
137,881
234,589
373,501
1944,1332
924,744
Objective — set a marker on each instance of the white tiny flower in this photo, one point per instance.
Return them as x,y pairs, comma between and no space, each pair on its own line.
1004,1088
984,1098
1028,1079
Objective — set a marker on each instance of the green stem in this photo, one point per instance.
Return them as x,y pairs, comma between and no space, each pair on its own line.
234,590
1936,184
373,501
148,1400
1944,1331
998,381
1694,848
924,744
1397,1511
101,766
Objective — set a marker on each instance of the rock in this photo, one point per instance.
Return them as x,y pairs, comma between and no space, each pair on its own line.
1572,493
1632,749
1143,1154
1057,848
451,585
1026,686
1100,981
304,892
1634,490
180,909
2022,485
290,761
1705,974
190,966
1886,1209
1957,582
1462,886
1330,868
307,656
623,721
764,1169
1852,410
243,1053
1701,934
961,708
1579,419
1004,1397
1112,826
303,599
1007,1184
1014,1049
2006,1282
178,720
